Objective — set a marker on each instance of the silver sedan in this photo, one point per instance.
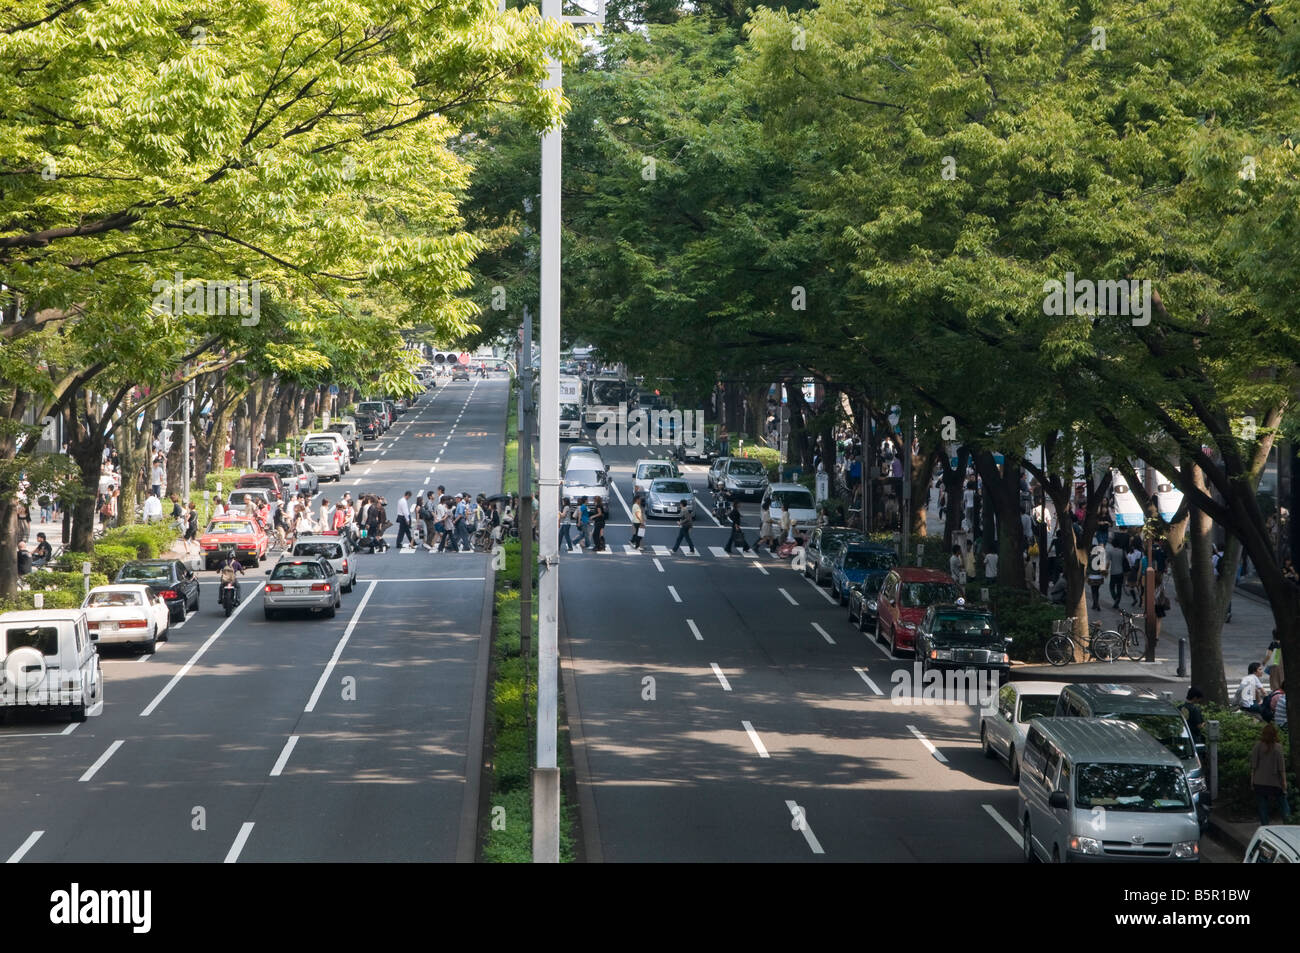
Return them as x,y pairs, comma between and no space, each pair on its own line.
668,498
306,583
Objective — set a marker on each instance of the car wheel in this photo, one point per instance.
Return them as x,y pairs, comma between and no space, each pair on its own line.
835,594
270,614
984,743
843,597
1027,837
151,646
1056,854
256,561
851,619
880,636
174,616
196,599
893,642
1014,764
329,613
76,712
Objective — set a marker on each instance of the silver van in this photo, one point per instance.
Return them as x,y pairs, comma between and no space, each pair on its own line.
49,661
1095,789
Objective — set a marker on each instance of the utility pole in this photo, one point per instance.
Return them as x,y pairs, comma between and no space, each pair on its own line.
187,469
525,444
546,776
868,461
1149,596
909,428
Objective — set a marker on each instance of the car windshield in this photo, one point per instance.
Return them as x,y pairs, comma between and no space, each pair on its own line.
792,499
236,527
608,392
99,600
1037,706
1170,730
1133,787
321,449
145,572
651,471
298,571
966,626
856,559
570,412
745,468
43,638
585,477
670,486
328,550
928,593
283,469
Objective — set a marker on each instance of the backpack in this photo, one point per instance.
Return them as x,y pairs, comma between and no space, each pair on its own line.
1266,709
426,512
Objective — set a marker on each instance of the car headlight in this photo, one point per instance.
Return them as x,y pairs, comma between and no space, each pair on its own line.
997,657
1197,785
941,655
910,626
872,604
1085,845
1187,848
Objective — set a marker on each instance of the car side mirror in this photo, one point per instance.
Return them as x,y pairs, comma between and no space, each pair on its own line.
268,572
189,574
1058,800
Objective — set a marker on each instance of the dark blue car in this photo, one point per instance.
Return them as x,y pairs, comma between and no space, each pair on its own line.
854,563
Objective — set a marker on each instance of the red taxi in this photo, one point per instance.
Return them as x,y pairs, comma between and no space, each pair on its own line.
235,534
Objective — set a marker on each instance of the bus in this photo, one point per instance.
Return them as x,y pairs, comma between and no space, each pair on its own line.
604,395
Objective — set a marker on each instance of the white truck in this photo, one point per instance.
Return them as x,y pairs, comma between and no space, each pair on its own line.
571,408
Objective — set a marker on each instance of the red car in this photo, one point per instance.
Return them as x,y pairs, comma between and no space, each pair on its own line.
904,596
240,535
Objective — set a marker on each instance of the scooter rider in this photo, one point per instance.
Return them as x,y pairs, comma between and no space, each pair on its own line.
231,570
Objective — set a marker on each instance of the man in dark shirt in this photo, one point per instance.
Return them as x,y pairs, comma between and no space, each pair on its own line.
24,558
1192,711
41,555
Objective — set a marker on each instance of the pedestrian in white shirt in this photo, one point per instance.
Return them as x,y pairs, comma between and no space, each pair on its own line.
404,521
991,566
1251,692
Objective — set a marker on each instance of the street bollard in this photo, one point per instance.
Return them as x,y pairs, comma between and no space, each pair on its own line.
920,553
984,595
1182,659
85,578
1212,746
38,600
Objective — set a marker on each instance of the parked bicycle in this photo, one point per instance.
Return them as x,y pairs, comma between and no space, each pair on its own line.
1101,646
1133,634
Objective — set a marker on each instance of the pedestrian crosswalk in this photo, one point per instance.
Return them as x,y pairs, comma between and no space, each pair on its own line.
627,549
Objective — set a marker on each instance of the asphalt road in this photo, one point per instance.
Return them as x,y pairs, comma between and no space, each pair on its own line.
723,709
300,739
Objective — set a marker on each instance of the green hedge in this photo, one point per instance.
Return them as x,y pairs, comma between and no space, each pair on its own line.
1026,617
147,540
1238,733
227,479
54,599
43,579
768,456
108,558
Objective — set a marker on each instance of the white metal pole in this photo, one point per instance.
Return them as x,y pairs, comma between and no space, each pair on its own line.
546,778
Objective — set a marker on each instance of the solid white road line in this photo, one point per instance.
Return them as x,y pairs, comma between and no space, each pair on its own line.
871,640
175,679
788,598
866,678
1002,823
726,685
938,755
797,812
623,502
338,649
707,512
694,630
824,634
758,742
28,844
103,758
70,729
429,579
240,840
820,591
673,592
658,564
761,568
281,761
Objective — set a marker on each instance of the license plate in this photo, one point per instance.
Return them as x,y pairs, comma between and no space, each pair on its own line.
296,590
108,626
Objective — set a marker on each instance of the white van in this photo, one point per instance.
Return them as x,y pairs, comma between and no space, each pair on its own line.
49,661
1094,789
340,441
793,496
324,456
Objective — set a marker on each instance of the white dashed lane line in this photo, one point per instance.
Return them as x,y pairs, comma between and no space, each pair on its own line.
758,742
938,755
694,630
27,845
866,678
1002,823
726,685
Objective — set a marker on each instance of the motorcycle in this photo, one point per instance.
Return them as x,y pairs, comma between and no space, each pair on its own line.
229,596
721,505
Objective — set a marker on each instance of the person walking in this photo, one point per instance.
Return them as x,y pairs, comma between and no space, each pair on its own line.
575,520
446,521
429,516
765,527
1132,562
1115,562
684,523
638,523
192,527
404,533
1273,664
1098,570
156,476
584,521
957,566
460,522
736,533
566,525
598,526
1268,775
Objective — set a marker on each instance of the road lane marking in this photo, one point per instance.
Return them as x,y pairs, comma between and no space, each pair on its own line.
338,649
673,592
866,678
281,761
726,685
761,568
658,564
824,634
719,552
47,734
694,630
366,471
938,755
662,550
426,480
431,469
820,591
871,640
1002,823
788,598
28,844
240,840
707,512
429,579
617,493
175,679
803,827
758,742
103,758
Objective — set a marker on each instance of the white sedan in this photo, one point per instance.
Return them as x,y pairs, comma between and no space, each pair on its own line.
1002,732
126,615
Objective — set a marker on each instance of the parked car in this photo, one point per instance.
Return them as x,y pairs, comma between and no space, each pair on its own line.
854,563
298,477
796,498
648,470
267,480
167,577
1075,770
376,409
1274,844
669,498
126,615
337,549
238,535
368,425
1002,731
962,636
339,442
305,583
348,431
822,545
905,595
49,661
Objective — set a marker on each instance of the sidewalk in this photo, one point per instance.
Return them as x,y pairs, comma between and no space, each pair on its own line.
54,533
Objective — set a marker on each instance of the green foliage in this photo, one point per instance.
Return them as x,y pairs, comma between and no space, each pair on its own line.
1025,616
1238,733
53,599
147,540
768,456
227,479
42,579
109,558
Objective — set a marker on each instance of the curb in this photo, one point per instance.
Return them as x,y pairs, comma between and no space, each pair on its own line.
1225,834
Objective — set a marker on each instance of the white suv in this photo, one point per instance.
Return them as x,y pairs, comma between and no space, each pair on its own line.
339,440
47,660
323,456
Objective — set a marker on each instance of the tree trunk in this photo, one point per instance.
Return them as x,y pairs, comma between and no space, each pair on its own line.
1002,495
953,480
133,452
87,451
798,452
